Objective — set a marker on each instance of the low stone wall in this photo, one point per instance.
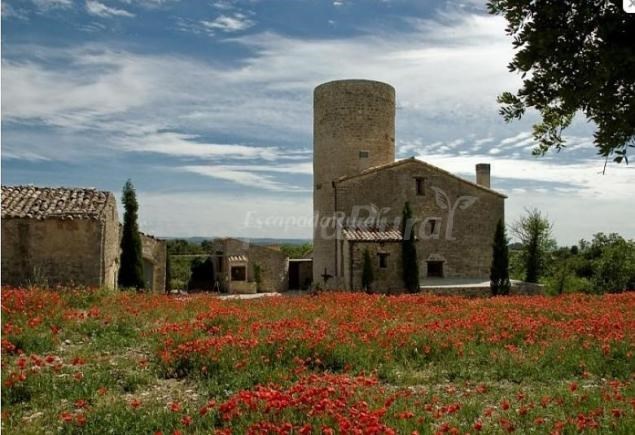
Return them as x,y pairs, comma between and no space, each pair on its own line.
470,291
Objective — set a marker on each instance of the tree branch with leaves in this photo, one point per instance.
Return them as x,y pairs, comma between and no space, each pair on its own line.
575,56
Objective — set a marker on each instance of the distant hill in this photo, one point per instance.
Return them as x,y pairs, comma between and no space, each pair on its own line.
255,240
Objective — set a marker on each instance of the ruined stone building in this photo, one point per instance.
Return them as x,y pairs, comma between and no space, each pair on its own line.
68,236
242,267
360,191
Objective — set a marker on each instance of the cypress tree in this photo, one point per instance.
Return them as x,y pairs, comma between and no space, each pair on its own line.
367,272
499,272
409,251
168,273
131,267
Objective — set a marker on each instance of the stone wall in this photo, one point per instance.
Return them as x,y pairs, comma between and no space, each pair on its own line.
386,280
518,288
464,246
274,268
353,129
52,252
274,265
110,242
154,253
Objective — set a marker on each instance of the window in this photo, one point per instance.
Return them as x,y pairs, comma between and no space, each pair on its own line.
363,154
383,260
435,269
420,184
432,226
239,273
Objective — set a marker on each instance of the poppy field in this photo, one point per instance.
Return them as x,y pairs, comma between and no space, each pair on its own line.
82,361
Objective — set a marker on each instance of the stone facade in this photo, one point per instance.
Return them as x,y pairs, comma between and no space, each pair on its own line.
387,272
353,129
454,218
154,252
67,236
273,266
54,236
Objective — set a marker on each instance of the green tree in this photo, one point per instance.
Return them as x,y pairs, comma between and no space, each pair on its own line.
613,263
296,251
534,232
574,56
168,273
367,272
499,272
409,261
258,276
131,264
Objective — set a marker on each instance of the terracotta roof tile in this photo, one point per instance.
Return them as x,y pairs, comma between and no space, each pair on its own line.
237,258
34,202
371,235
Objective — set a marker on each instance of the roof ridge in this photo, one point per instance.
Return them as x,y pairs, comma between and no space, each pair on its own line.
413,159
42,202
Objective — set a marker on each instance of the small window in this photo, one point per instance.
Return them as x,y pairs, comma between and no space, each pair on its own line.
435,269
363,154
432,227
383,260
420,184
318,186
239,273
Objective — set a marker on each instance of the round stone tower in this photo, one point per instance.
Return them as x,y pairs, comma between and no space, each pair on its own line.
353,129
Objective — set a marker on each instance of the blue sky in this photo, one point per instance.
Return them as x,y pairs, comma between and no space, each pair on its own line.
207,106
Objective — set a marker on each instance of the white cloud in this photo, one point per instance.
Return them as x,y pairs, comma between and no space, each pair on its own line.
52,4
178,144
98,9
229,23
242,177
213,213
585,177
9,11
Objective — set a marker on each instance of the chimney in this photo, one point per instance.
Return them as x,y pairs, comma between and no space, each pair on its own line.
482,174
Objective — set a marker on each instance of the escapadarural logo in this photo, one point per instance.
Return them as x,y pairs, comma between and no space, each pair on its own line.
629,6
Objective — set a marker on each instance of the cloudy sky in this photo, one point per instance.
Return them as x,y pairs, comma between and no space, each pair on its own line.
207,106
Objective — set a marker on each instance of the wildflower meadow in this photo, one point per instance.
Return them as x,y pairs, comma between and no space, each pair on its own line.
348,363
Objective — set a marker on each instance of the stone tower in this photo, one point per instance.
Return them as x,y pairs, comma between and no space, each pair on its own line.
353,129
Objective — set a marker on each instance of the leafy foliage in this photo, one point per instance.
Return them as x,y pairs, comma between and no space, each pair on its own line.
499,272
574,56
534,232
183,247
168,273
409,261
131,267
296,251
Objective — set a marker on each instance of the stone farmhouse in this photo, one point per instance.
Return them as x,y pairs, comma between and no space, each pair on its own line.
360,192
242,267
68,236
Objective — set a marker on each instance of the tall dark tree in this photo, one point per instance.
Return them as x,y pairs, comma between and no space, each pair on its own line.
499,272
534,232
168,273
409,251
131,267
367,272
574,56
